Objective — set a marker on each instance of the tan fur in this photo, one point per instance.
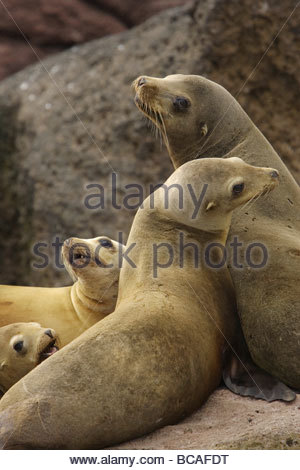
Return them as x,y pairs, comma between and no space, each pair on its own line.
158,356
32,340
69,310
268,299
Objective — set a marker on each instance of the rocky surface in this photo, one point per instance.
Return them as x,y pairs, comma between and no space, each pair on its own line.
72,121
228,421
53,26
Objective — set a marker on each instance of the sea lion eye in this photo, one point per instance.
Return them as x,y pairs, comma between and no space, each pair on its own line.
105,243
238,188
18,346
79,256
181,103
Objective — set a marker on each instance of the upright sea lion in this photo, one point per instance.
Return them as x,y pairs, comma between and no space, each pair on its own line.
199,118
94,266
158,356
22,347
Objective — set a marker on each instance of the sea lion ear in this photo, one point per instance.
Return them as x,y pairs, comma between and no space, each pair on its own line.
204,129
2,365
210,205
243,377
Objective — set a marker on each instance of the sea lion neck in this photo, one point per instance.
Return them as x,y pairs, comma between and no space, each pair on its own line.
153,233
156,225
86,305
205,149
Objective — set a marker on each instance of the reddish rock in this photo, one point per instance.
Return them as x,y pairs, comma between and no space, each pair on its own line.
51,26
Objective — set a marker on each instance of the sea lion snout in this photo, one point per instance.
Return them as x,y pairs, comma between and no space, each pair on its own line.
146,88
274,174
45,347
141,81
273,177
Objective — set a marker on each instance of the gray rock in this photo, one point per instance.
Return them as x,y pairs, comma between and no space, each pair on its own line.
71,121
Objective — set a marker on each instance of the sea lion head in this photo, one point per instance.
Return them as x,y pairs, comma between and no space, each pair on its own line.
192,114
94,262
22,347
203,193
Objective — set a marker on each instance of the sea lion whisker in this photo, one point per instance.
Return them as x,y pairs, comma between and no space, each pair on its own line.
160,132
152,128
261,195
165,133
159,128
155,125
248,203
253,200
268,191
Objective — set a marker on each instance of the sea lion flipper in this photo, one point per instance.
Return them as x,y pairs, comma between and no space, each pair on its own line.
244,378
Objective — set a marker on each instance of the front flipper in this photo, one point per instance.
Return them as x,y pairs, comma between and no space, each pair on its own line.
243,377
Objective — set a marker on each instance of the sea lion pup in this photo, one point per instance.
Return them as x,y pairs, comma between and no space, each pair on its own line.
22,347
158,356
94,266
199,118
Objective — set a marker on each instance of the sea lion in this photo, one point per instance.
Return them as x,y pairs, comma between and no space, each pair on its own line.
199,118
94,266
22,347
158,356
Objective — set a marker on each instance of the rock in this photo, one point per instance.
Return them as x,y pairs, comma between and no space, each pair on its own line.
228,421
72,121
53,26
